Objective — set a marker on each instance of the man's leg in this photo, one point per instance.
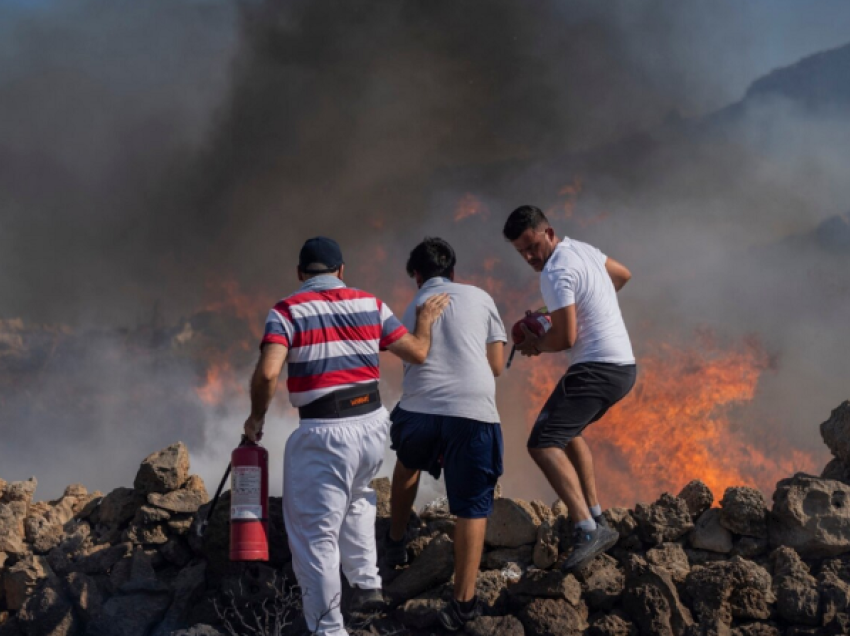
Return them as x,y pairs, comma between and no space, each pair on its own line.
469,544
314,501
357,547
404,489
579,455
563,478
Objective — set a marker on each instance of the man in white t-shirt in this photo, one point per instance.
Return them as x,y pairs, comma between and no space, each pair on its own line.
447,419
579,285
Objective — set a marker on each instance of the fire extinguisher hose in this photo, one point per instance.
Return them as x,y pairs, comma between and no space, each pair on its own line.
203,527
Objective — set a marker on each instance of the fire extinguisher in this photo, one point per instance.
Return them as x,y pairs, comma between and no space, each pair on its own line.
249,502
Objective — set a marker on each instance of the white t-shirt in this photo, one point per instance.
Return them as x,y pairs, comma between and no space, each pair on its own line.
456,379
576,274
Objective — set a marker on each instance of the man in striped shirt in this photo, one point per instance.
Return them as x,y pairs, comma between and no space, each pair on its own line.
330,336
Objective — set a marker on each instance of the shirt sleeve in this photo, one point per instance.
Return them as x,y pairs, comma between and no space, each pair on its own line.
391,327
279,328
496,328
557,288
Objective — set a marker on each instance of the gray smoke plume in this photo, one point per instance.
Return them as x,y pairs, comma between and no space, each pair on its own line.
149,153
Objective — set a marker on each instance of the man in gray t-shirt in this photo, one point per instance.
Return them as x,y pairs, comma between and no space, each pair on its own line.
447,419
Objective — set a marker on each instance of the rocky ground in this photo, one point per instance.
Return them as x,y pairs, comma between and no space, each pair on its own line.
130,563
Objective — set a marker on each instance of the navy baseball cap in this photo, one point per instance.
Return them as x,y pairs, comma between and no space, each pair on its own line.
320,250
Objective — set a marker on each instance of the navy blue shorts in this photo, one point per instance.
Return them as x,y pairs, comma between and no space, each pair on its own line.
470,451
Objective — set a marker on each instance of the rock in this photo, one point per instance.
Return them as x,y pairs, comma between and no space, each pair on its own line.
836,432
837,470
552,617
22,491
100,559
435,566
118,507
511,525
181,524
421,613
749,547
181,501
77,491
383,489
559,508
602,583
494,626
150,514
11,530
797,596
723,591
142,576
622,520
671,558
491,588
665,520
22,578
437,509
744,511
76,536
499,558
546,548
85,596
176,552
164,470
543,584
611,624
131,615
709,534
542,512
153,534
188,587
811,515
697,496
651,599
48,613
756,629
834,597
198,630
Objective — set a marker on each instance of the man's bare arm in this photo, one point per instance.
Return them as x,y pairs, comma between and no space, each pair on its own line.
496,357
414,347
619,273
263,385
560,337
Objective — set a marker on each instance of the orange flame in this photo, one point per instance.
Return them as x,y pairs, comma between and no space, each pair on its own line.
468,206
675,425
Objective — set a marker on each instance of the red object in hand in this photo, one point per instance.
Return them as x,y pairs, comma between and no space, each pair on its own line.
537,322
249,503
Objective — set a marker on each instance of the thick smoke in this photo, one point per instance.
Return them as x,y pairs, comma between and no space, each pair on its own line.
152,152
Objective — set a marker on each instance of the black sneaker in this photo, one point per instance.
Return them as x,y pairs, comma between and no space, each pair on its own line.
395,552
366,600
452,618
587,544
602,521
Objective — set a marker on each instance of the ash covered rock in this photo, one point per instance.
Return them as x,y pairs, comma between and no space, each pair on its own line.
836,432
744,511
665,520
697,496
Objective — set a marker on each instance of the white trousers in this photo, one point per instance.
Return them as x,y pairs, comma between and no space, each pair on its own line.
329,510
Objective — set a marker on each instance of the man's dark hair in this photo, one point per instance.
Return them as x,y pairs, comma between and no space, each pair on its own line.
524,217
432,257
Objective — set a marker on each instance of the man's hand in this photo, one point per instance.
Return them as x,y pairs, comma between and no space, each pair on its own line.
528,346
432,308
254,428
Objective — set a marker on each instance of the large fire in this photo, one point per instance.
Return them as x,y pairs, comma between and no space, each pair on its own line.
677,423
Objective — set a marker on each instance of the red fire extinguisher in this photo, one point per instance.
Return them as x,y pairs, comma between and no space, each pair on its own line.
249,503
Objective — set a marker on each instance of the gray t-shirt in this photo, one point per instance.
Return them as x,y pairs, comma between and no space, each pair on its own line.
456,379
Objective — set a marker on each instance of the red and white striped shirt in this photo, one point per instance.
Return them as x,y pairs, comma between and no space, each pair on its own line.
334,334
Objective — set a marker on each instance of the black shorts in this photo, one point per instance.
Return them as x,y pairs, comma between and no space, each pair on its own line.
582,396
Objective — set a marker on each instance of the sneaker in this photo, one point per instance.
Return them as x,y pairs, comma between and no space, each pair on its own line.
587,544
366,600
602,521
452,618
395,552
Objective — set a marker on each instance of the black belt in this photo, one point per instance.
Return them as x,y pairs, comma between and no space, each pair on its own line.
350,402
